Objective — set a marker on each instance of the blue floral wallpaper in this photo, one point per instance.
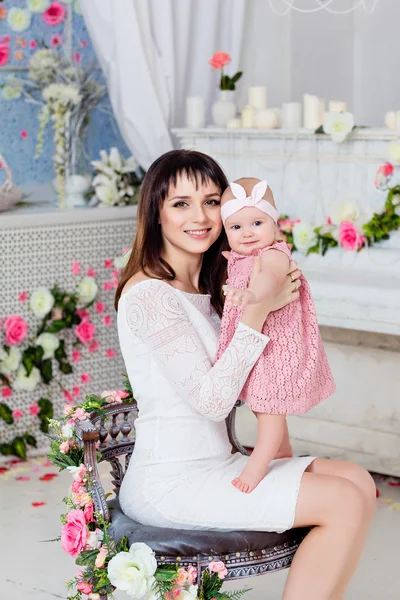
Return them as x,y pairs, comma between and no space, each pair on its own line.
25,26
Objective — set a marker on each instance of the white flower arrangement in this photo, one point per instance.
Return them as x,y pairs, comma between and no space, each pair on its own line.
338,125
19,19
87,290
117,181
41,302
49,342
304,236
10,360
26,382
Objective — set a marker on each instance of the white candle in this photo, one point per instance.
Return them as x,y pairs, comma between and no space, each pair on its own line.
195,112
291,115
321,110
234,123
312,111
257,96
337,106
248,114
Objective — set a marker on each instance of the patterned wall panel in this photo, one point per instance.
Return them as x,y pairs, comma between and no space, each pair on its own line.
41,256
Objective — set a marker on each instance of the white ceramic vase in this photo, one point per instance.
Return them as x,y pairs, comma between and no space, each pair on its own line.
224,109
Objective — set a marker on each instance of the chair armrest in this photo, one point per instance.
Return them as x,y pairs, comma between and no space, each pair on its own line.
230,425
88,436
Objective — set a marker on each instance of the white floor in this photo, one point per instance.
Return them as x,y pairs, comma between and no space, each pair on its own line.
33,569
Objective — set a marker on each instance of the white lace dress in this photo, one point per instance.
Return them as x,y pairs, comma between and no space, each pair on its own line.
181,469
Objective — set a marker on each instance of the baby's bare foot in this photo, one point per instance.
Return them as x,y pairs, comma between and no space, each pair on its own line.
250,477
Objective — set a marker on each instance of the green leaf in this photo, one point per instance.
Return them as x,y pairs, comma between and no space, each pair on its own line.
87,557
65,368
30,440
320,130
4,380
6,449
6,414
19,447
56,326
46,413
28,364
60,353
237,76
46,370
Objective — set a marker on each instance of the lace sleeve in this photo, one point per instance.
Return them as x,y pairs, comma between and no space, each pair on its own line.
156,316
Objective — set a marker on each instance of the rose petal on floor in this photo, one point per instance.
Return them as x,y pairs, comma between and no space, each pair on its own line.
36,504
47,463
48,477
21,478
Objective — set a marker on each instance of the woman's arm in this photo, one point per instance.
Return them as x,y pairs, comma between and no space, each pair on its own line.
156,315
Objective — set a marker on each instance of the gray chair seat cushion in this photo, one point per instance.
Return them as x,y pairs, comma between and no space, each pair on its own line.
177,542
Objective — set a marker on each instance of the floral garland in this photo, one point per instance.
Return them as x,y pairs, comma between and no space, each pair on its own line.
345,228
108,565
49,354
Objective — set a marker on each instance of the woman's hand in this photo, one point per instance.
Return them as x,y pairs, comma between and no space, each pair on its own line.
268,291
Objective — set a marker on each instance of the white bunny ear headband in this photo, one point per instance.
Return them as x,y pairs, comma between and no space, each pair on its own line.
241,201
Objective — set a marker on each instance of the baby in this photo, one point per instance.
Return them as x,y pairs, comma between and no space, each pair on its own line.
292,375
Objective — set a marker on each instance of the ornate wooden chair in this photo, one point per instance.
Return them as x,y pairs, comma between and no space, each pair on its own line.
245,553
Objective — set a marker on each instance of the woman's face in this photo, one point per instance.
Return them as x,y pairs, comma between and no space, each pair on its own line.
190,218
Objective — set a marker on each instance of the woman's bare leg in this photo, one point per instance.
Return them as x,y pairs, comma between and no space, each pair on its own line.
327,557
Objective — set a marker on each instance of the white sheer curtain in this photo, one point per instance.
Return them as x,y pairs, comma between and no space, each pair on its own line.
154,53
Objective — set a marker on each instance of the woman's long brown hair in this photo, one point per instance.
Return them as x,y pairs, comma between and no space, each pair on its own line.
147,246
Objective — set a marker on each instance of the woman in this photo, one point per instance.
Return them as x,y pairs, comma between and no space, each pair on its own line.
169,303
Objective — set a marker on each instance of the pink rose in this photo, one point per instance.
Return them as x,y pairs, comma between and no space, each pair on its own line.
85,331
17,414
110,353
55,14
219,60
192,574
68,410
80,414
349,236
88,512
181,577
77,57
91,272
16,329
383,174
6,392
83,587
114,397
108,263
77,487
64,447
4,54
33,44
79,475
34,409
74,533
108,286
76,390
86,378
57,40
82,313
23,297
76,267
67,396
218,567
101,557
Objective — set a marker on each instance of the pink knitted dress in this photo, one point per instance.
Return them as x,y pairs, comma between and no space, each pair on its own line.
292,375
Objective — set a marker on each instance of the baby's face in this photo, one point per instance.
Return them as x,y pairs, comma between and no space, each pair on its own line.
250,229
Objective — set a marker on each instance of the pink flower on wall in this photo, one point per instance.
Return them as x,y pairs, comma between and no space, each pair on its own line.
34,409
76,356
17,414
349,236
110,353
23,297
94,346
6,39
84,43
100,307
33,44
56,40
91,272
6,392
85,331
68,397
55,14
77,57
76,268
108,263
108,286
82,313
24,134
107,320
76,390
18,55
4,54
86,378
16,329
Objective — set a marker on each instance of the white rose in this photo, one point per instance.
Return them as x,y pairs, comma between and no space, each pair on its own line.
189,594
12,89
94,540
396,199
133,571
38,6
394,152
338,125
121,261
10,361
67,432
346,211
75,470
87,290
106,191
19,19
304,236
41,302
25,382
49,343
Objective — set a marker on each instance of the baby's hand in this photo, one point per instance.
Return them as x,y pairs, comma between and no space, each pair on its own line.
237,297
